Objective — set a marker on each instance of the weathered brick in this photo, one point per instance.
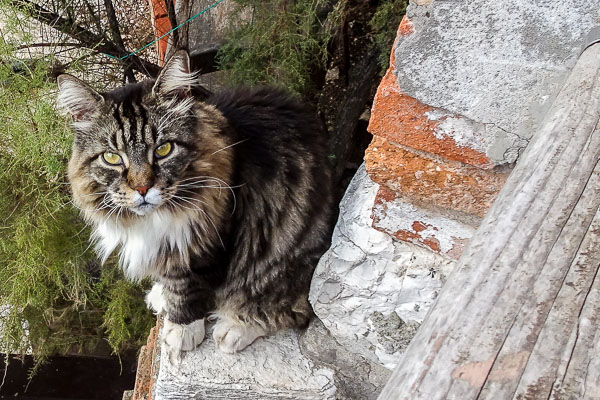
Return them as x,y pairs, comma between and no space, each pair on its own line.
144,378
405,28
424,179
405,120
409,223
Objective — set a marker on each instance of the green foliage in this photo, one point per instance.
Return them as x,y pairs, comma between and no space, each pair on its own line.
280,45
285,41
384,24
53,297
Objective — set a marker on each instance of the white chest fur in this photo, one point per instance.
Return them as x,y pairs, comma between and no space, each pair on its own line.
140,241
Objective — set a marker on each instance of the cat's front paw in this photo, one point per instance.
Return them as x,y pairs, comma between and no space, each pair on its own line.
178,338
155,299
232,337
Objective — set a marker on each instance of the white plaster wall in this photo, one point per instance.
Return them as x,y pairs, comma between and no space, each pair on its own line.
368,284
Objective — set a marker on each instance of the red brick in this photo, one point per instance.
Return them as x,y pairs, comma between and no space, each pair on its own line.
406,28
144,378
404,119
432,181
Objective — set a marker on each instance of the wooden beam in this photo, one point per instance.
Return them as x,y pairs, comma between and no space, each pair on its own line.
519,318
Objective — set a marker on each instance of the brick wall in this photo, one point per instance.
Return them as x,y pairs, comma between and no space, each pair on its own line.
434,190
467,86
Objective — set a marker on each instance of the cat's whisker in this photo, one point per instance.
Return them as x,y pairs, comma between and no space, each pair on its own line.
95,194
87,248
85,225
111,212
187,200
202,176
119,214
104,205
80,208
205,214
215,228
230,146
208,178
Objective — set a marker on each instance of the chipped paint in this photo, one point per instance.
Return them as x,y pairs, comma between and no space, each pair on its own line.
473,373
409,223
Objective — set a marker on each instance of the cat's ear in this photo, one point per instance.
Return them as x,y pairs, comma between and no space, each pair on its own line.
176,78
78,98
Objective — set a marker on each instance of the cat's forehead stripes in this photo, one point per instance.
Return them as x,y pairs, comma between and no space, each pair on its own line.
133,123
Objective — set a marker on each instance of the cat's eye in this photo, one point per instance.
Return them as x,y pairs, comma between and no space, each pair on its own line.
112,158
163,150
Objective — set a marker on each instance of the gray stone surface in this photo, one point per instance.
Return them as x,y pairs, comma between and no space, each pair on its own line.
369,290
356,377
271,368
498,63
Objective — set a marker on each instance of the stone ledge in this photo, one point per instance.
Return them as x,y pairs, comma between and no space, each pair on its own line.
271,368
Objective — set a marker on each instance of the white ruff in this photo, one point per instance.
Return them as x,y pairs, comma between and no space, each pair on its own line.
142,240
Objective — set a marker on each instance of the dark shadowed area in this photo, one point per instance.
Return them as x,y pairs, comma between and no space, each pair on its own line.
79,378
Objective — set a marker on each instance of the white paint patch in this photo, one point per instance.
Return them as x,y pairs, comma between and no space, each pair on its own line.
365,271
141,240
462,131
401,216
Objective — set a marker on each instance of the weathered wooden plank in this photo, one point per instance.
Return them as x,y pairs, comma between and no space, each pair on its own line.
521,271
548,317
564,328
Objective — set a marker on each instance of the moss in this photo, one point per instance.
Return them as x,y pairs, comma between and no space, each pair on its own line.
384,24
53,298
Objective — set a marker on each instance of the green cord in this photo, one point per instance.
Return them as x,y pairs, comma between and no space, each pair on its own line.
172,30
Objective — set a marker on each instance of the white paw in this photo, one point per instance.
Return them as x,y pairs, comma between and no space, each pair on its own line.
232,337
178,339
155,299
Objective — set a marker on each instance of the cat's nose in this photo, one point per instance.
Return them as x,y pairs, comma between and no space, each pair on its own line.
142,190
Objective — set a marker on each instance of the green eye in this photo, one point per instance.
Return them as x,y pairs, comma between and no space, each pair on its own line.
163,150
112,158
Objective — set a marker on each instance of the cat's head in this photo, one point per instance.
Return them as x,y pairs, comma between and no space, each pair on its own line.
144,147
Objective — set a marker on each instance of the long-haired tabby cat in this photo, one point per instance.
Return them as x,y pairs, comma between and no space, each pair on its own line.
223,203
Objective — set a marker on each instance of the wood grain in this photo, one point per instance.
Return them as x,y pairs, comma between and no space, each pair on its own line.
519,317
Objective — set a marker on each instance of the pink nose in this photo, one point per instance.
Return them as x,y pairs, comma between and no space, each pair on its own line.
142,190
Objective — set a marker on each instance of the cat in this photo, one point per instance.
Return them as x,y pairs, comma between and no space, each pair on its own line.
224,203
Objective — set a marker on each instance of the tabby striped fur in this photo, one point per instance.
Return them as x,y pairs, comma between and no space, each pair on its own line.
235,217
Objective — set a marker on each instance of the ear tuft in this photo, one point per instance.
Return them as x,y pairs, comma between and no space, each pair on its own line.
78,98
176,78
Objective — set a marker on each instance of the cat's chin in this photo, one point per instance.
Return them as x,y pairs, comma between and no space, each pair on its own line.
144,209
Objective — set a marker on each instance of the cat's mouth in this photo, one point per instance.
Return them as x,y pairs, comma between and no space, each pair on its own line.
143,208
145,204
